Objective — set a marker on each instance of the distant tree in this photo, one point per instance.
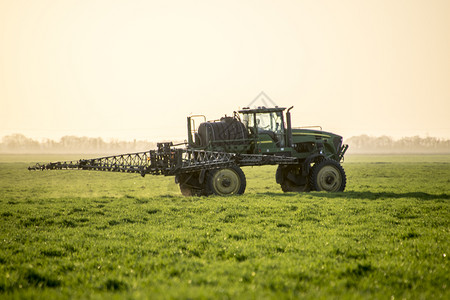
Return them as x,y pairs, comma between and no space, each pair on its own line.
385,144
19,143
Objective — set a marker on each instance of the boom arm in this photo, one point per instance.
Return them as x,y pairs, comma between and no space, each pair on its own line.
167,160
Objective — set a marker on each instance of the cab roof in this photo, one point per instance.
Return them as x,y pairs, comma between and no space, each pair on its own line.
261,109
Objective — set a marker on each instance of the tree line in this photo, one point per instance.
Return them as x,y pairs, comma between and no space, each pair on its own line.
385,144
19,143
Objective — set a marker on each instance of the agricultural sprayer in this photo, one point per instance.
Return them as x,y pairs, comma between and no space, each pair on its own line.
210,161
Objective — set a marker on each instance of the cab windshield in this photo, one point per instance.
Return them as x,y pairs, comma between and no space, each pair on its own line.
270,123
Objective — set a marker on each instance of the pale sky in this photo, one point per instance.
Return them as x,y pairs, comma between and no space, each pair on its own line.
135,69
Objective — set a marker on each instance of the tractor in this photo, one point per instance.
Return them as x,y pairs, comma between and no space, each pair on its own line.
210,160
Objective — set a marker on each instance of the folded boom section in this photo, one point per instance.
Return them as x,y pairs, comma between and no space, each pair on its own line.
167,160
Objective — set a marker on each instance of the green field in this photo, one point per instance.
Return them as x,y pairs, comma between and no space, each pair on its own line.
96,235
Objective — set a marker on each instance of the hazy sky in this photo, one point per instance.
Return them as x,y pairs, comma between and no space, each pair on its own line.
136,69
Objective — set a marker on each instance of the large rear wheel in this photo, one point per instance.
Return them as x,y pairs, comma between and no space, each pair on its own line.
226,181
291,179
327,175
190,184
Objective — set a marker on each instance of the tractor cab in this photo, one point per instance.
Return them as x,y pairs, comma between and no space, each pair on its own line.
265,127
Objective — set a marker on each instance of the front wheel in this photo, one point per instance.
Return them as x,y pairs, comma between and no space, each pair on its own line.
226,181
327,175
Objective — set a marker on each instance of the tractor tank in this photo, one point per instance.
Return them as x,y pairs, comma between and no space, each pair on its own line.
228,134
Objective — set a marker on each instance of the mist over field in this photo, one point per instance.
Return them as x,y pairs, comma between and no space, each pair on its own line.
18,143
362,144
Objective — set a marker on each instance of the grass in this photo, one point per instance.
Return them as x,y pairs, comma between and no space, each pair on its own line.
82,234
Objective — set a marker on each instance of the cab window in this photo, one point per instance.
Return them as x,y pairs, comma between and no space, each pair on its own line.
270,122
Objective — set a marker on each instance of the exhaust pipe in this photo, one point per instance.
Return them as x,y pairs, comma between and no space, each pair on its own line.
289,127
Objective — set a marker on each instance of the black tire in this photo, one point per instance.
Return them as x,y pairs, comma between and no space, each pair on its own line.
190,185
327,175
226,181
290,179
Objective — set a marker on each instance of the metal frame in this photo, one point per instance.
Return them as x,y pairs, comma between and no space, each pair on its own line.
167,160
